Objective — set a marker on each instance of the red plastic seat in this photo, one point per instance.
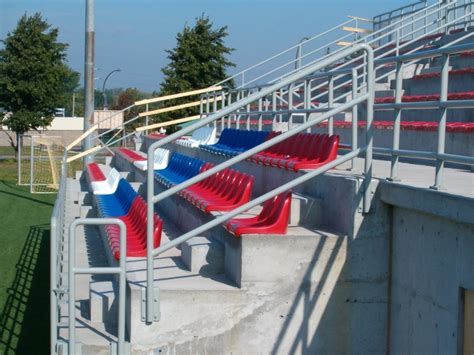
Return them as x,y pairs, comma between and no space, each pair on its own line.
273,219
135,221
468,95
327,152
222,191
130,155
95,172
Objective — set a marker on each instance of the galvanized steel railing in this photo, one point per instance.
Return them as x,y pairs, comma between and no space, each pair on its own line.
57,288
338,80
367,97
398,106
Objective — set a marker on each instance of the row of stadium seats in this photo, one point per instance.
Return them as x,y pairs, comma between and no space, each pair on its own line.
140,161
438,74
179,169
458,127
226,190
469,95
124,203
235,141
201,136
301,151
222,191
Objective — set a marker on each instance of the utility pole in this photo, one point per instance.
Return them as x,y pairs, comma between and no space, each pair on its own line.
73,104
89,75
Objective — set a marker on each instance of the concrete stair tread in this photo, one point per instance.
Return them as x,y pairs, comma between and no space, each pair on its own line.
172,274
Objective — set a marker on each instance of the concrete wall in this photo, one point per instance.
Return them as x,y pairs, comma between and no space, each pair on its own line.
432,261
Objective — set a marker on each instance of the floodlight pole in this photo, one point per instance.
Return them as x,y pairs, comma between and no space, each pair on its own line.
89,75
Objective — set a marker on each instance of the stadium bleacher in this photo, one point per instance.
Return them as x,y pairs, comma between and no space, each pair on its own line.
125,204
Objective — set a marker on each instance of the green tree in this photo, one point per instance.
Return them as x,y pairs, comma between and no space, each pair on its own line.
33,75
198,61
127,98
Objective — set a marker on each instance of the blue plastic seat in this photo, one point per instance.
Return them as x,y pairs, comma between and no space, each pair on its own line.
235,141
118,203
180,168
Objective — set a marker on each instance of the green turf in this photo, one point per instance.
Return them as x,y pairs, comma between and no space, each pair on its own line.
8,151
24,265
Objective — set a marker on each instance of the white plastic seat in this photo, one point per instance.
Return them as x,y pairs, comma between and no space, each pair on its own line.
107,186
162,157
201,136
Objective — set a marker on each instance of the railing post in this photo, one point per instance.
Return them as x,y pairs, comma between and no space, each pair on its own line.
307,101
229,102
331,104
248,112
214,107
260,115
32,161
274,101
150,192
147,118
355,116
222,105
20,143
290,105
397,122
442,123
369,133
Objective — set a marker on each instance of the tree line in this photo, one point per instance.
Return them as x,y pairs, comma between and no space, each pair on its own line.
35,77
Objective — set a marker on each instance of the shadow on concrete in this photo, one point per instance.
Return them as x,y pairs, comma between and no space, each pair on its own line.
304,339
24,321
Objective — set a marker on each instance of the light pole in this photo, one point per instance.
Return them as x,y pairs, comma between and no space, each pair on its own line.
106,106
89,76
298,52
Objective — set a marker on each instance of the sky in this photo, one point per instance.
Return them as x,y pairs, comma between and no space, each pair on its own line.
132,35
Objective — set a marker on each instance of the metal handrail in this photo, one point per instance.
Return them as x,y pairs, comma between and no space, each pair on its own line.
152,199
401,9
378,59
121,270
56,233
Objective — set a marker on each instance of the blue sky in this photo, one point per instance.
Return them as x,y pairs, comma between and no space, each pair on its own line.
132,35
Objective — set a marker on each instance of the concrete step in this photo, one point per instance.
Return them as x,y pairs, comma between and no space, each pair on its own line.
203,255
272,258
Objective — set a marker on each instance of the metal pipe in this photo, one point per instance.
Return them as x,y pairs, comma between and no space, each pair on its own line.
355,116
89,76
397,122
369,132
32,161
442,123
121,270
331,104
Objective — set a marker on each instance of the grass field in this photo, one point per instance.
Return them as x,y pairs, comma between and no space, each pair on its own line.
24,264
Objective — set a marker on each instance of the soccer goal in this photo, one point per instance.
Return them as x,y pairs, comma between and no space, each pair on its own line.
39,163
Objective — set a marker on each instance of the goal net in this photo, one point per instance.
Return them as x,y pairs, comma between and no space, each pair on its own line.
39,163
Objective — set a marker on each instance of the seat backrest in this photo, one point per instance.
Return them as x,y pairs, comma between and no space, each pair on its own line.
113,178
162,157
329,150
